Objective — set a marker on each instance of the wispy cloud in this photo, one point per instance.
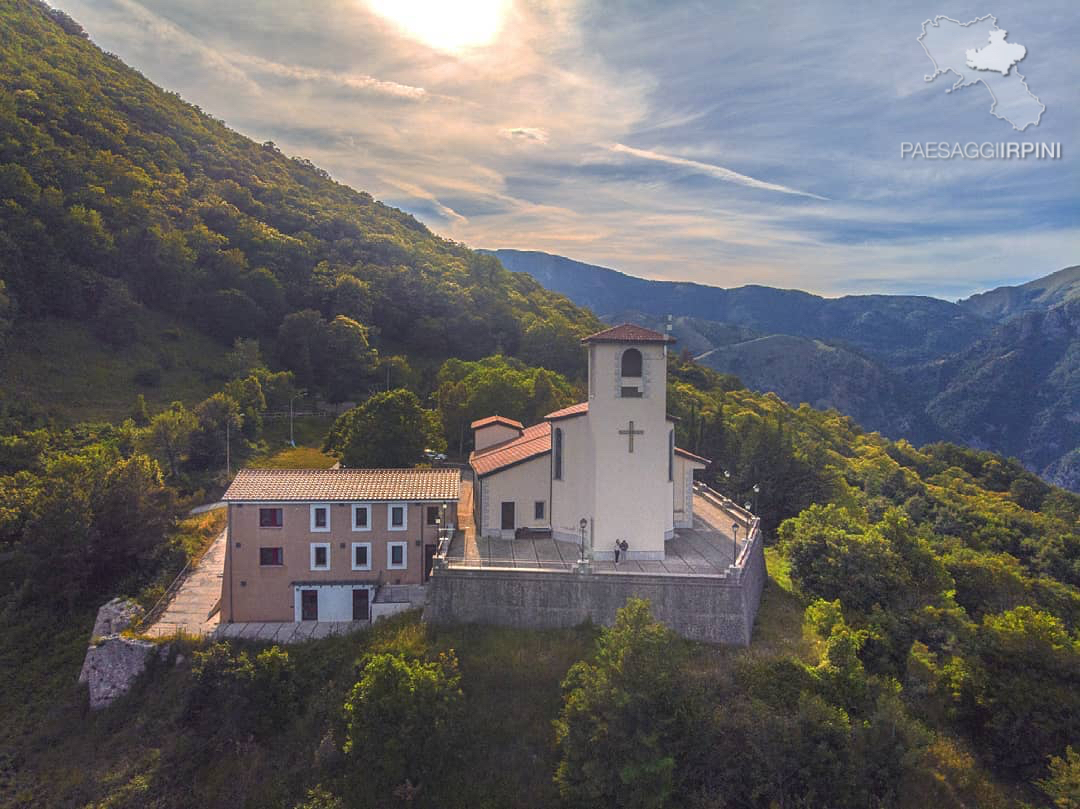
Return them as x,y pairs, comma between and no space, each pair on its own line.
719,172
530,133
352,81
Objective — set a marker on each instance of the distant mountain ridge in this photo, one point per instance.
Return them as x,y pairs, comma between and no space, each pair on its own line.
906,327
1042,293
999,370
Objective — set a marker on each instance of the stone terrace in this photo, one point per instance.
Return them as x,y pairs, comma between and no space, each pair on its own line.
704,550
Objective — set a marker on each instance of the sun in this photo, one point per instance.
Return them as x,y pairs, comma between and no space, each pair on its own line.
444,24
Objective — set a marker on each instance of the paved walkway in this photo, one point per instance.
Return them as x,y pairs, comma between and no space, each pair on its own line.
704,550
466,538
288,632
189,610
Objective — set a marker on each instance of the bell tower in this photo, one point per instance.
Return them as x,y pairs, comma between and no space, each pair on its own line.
630,436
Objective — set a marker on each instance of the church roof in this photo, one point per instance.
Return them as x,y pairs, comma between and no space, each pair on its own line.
568,412
628,333
532,443
688,454
517,425
580,409
283,485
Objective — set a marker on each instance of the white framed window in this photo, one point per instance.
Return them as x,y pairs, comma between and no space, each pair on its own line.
397,517
397,555
320,555
361,556
361,516
320,517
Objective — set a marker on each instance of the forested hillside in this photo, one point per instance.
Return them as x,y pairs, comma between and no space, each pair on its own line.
118,197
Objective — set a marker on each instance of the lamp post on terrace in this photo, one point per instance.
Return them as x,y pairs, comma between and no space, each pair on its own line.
734,542
757,488
583,525
296,395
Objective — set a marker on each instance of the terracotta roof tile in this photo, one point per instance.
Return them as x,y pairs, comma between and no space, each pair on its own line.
476,425
628,333
567,412
535,441
274,485
688,454
580,408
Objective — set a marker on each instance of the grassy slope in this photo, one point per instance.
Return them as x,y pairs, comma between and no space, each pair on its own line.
72,375
140,752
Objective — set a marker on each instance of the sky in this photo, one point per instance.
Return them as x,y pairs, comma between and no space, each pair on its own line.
724,143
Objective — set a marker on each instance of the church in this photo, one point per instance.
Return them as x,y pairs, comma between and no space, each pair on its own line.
604,472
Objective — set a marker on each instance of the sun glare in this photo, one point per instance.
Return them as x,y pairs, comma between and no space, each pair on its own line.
444,24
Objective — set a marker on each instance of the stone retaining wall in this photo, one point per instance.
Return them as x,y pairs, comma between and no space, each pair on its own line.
713,609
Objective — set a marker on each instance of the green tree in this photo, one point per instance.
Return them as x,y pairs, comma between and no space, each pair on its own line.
169,436
139,413
350,359
230,313
351,297
832,557
234,694
401,719
1062,785
133,511
388,430
218,421
245,357
453,398
621,728
1019,691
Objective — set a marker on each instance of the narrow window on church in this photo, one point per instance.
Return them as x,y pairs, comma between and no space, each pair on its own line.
557,442
671,455
630,372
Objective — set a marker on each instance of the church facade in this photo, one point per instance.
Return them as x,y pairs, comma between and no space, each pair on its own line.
600,472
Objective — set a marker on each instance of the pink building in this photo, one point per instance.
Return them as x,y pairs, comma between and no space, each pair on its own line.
317,544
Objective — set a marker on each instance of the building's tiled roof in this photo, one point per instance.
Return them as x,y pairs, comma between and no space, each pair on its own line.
517,425
628,333
579,409
535,441
275,485
688,454
568,412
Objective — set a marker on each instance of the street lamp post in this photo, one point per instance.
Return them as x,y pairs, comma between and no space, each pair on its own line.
583,525
734,542
757,488
296,395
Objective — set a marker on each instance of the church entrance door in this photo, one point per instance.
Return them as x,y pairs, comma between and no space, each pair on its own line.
508,516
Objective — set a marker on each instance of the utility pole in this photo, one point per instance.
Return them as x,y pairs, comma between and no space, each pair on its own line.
296,395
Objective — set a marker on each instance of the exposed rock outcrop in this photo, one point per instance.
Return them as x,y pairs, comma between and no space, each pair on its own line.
113,662
112,666
116,616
